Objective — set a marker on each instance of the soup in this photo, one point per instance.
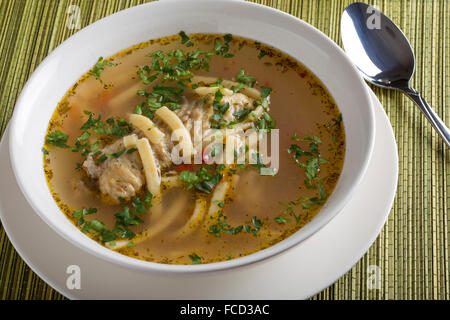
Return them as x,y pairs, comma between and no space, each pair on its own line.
158,151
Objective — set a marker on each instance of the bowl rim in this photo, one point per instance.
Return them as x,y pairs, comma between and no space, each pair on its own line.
141,265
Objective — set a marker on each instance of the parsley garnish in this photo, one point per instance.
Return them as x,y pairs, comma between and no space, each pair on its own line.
266,122
245,78
175,67
312,168
112,126
335,123
223,227
99,67
195,258
99,157
261,54
58,139
313,161
223,48
280,219
241,114
131,150
80,214
257,224
188,177
219,111
238,88
265,92
185,39
118,153
129,216
202,180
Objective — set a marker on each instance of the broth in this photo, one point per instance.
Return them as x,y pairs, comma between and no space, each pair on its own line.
266,209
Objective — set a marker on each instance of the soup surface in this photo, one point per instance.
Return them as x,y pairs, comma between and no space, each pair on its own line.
112,165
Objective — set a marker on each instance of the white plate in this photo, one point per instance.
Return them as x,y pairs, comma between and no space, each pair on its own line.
297,273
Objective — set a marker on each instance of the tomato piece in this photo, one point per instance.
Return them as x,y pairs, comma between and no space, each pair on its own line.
183,167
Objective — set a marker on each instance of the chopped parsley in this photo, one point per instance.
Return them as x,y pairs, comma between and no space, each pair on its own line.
174,67
173,71
99,157
254,228
188,177
238,88
80,214
337,122
202,180
223,227
219,111
195,258
266,122
302,203
264,103
265,92
129,216
131,150
99,67
245,78
185,39
241,114
280,219
57,138
261,54
223,48
118,153
311,165
112,126
313,158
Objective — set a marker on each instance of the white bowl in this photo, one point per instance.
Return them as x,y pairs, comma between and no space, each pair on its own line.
67,63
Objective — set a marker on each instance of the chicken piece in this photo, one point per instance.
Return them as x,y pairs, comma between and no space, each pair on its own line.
118,176
195,111
201,110
120,179
237,102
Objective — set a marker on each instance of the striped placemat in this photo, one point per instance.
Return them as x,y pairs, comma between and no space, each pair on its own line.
412,252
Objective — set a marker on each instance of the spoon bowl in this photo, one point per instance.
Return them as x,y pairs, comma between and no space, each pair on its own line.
383,55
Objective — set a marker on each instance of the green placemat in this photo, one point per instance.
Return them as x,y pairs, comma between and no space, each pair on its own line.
412,251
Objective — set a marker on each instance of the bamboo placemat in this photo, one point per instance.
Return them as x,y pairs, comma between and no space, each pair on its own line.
412,251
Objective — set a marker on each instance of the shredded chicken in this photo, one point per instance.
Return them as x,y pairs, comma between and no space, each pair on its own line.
119,177
237,102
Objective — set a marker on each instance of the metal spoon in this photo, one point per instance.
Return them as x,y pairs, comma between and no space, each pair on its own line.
380,50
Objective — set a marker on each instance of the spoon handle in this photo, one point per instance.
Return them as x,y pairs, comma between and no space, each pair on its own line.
436,122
